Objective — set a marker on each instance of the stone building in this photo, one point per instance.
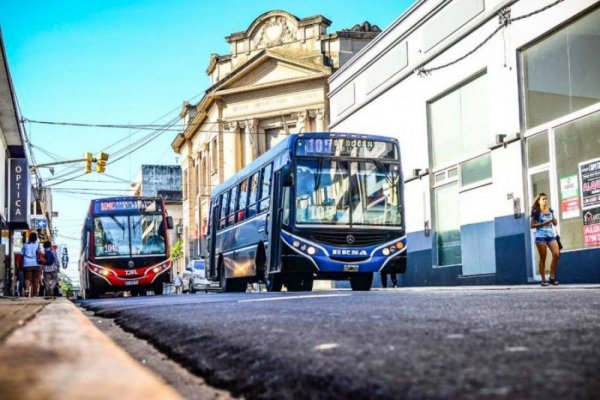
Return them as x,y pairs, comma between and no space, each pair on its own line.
274,83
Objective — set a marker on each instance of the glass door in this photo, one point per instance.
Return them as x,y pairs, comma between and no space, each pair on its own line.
539,182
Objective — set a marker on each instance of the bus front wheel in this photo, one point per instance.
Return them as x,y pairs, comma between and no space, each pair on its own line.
273,282
361,281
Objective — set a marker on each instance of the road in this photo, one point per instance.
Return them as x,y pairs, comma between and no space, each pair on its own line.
521,342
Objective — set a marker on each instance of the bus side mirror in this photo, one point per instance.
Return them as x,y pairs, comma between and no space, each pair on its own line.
169,222
286,175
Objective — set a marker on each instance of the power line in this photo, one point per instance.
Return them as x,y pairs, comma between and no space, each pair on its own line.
504,19
89,125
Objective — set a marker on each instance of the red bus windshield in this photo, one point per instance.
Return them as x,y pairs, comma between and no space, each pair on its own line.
129,235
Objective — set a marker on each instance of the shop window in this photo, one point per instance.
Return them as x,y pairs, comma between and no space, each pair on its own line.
447,225
537,150
476,171
460,125
577,145
561,71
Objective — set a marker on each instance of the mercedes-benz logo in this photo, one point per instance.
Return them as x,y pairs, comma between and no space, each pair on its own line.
130,264
350,239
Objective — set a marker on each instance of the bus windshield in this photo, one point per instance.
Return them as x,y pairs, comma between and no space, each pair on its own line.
127,236
331,192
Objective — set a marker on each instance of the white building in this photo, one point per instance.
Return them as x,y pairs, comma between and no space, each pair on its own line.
493,101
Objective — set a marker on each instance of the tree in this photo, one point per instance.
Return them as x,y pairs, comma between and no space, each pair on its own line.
177,249
66,285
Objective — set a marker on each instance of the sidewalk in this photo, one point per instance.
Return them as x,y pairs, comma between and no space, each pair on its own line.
50,350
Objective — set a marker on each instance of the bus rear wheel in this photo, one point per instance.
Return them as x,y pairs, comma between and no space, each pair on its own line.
361,281
231,284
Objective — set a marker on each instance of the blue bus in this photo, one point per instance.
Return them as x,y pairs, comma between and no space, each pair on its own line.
315,206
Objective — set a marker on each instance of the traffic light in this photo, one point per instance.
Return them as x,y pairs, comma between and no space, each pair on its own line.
101,160
88,158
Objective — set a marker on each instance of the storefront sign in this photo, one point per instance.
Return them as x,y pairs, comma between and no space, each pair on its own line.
589,173
18,200
569,196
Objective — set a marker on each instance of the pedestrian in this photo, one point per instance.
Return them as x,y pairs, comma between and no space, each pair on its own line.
178,283
20,274
50,269
392,277
32,270
544,221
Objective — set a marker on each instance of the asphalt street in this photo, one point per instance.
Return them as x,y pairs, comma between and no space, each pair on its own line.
527,342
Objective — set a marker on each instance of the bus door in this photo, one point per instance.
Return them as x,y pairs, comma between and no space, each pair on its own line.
212,239
274,225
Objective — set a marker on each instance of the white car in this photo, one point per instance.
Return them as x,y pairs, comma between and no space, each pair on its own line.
194,278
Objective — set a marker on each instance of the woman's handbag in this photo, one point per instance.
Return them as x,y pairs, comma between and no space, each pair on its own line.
560,246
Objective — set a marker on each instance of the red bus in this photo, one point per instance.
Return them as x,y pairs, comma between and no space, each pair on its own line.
125,246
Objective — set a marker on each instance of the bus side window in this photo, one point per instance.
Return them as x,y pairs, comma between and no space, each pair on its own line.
252,195
233,196
223,213
243,201
266,189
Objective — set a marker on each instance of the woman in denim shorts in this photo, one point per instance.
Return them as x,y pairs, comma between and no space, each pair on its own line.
543,221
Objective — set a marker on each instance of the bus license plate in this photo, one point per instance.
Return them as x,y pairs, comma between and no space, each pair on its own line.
131,282
350,268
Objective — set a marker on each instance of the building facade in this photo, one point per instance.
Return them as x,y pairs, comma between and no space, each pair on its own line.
14,176
274,83
493,101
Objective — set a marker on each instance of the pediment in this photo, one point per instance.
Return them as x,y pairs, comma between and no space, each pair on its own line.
268,69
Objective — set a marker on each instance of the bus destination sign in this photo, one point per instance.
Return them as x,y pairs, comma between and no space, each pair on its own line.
345,147
114,206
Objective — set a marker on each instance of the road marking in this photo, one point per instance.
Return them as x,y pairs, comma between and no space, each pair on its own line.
516,349
313,296
326,346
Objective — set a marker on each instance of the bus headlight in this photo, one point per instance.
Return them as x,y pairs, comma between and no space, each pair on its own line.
386,251
399,245
296,243
104,272
311,250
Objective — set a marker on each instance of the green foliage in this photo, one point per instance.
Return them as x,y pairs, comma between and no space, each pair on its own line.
66,286
177,249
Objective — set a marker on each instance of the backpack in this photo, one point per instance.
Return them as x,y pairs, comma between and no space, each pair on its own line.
41,258
49,256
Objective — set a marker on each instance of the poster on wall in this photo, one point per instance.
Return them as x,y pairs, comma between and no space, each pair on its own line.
569,196
589,174
591,227
589,178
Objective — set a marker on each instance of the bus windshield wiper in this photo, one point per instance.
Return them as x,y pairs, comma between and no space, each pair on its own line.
120,225
318,175
387,175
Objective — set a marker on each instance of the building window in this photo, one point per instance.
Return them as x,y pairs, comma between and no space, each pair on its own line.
537,150
447,224
561,71
460,123
476,171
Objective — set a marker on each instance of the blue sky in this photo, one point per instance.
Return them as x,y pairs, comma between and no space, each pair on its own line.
128,62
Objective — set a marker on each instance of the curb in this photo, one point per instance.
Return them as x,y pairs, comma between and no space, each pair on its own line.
61,354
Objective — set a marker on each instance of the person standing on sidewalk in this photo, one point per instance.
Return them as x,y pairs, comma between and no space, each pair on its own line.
178,283
50,269
384,279
544,221
31,268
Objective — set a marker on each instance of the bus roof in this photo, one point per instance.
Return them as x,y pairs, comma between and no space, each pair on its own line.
288,143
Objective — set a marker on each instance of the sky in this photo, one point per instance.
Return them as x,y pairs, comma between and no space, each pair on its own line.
127,62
